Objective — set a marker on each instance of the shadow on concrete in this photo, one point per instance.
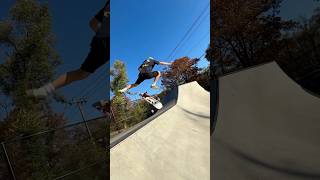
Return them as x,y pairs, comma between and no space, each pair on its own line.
195,114
259,163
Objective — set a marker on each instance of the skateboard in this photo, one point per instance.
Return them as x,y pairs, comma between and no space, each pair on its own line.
154,101
151,100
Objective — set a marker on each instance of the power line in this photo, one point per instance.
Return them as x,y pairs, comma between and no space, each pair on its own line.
202,55
100,86
97,82
194,30
91,84
85,91
200,40
191,27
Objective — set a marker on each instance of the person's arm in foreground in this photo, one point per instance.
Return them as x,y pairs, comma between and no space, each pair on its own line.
165,63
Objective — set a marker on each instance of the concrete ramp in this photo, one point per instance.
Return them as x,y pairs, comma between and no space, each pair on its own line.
268,127
174,146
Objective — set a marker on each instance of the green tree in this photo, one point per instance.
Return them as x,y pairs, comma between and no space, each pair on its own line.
119,103
139,111
119,76
29,60
126,112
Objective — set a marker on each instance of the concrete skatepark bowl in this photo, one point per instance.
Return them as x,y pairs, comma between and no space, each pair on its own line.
174,145
267,128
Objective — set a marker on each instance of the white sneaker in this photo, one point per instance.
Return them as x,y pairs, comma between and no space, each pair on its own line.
41,92
153,86
37,93
123,90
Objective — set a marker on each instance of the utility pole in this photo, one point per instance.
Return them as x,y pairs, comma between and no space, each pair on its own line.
79,103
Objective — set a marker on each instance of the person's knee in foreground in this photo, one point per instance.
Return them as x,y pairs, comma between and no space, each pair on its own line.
98,55
145,72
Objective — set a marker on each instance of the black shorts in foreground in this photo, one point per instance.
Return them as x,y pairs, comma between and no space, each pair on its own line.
144,76
99,54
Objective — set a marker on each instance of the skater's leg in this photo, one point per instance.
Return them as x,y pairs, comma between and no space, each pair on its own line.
141,78
70,77
157,76
128,87
61,81
131,86
98,55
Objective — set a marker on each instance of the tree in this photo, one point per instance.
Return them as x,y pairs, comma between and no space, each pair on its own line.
30,61
300,57
140,111
247,32
203,79
119,103
119,76
182,70
125,112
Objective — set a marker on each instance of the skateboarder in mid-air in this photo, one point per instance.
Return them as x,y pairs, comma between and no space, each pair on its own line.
98,55
146,72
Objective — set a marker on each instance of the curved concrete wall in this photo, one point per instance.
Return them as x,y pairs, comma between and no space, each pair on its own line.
174,146
268,128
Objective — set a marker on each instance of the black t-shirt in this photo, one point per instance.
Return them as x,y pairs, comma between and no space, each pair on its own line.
104,19
147,65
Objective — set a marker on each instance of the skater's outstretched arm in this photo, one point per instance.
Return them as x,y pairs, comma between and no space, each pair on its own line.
165,63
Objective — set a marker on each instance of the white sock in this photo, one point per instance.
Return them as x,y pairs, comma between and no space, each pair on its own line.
44,90
49,88
124,89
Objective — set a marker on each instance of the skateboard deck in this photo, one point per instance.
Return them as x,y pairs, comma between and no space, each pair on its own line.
154,102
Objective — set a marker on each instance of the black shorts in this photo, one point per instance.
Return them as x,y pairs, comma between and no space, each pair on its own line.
99,54
144,76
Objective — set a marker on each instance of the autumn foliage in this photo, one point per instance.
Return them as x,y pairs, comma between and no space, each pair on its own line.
247,32
182,70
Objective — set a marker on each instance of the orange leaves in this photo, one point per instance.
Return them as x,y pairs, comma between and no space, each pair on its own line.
182,70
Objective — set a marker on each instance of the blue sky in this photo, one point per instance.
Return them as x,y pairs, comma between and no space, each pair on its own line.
144,28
